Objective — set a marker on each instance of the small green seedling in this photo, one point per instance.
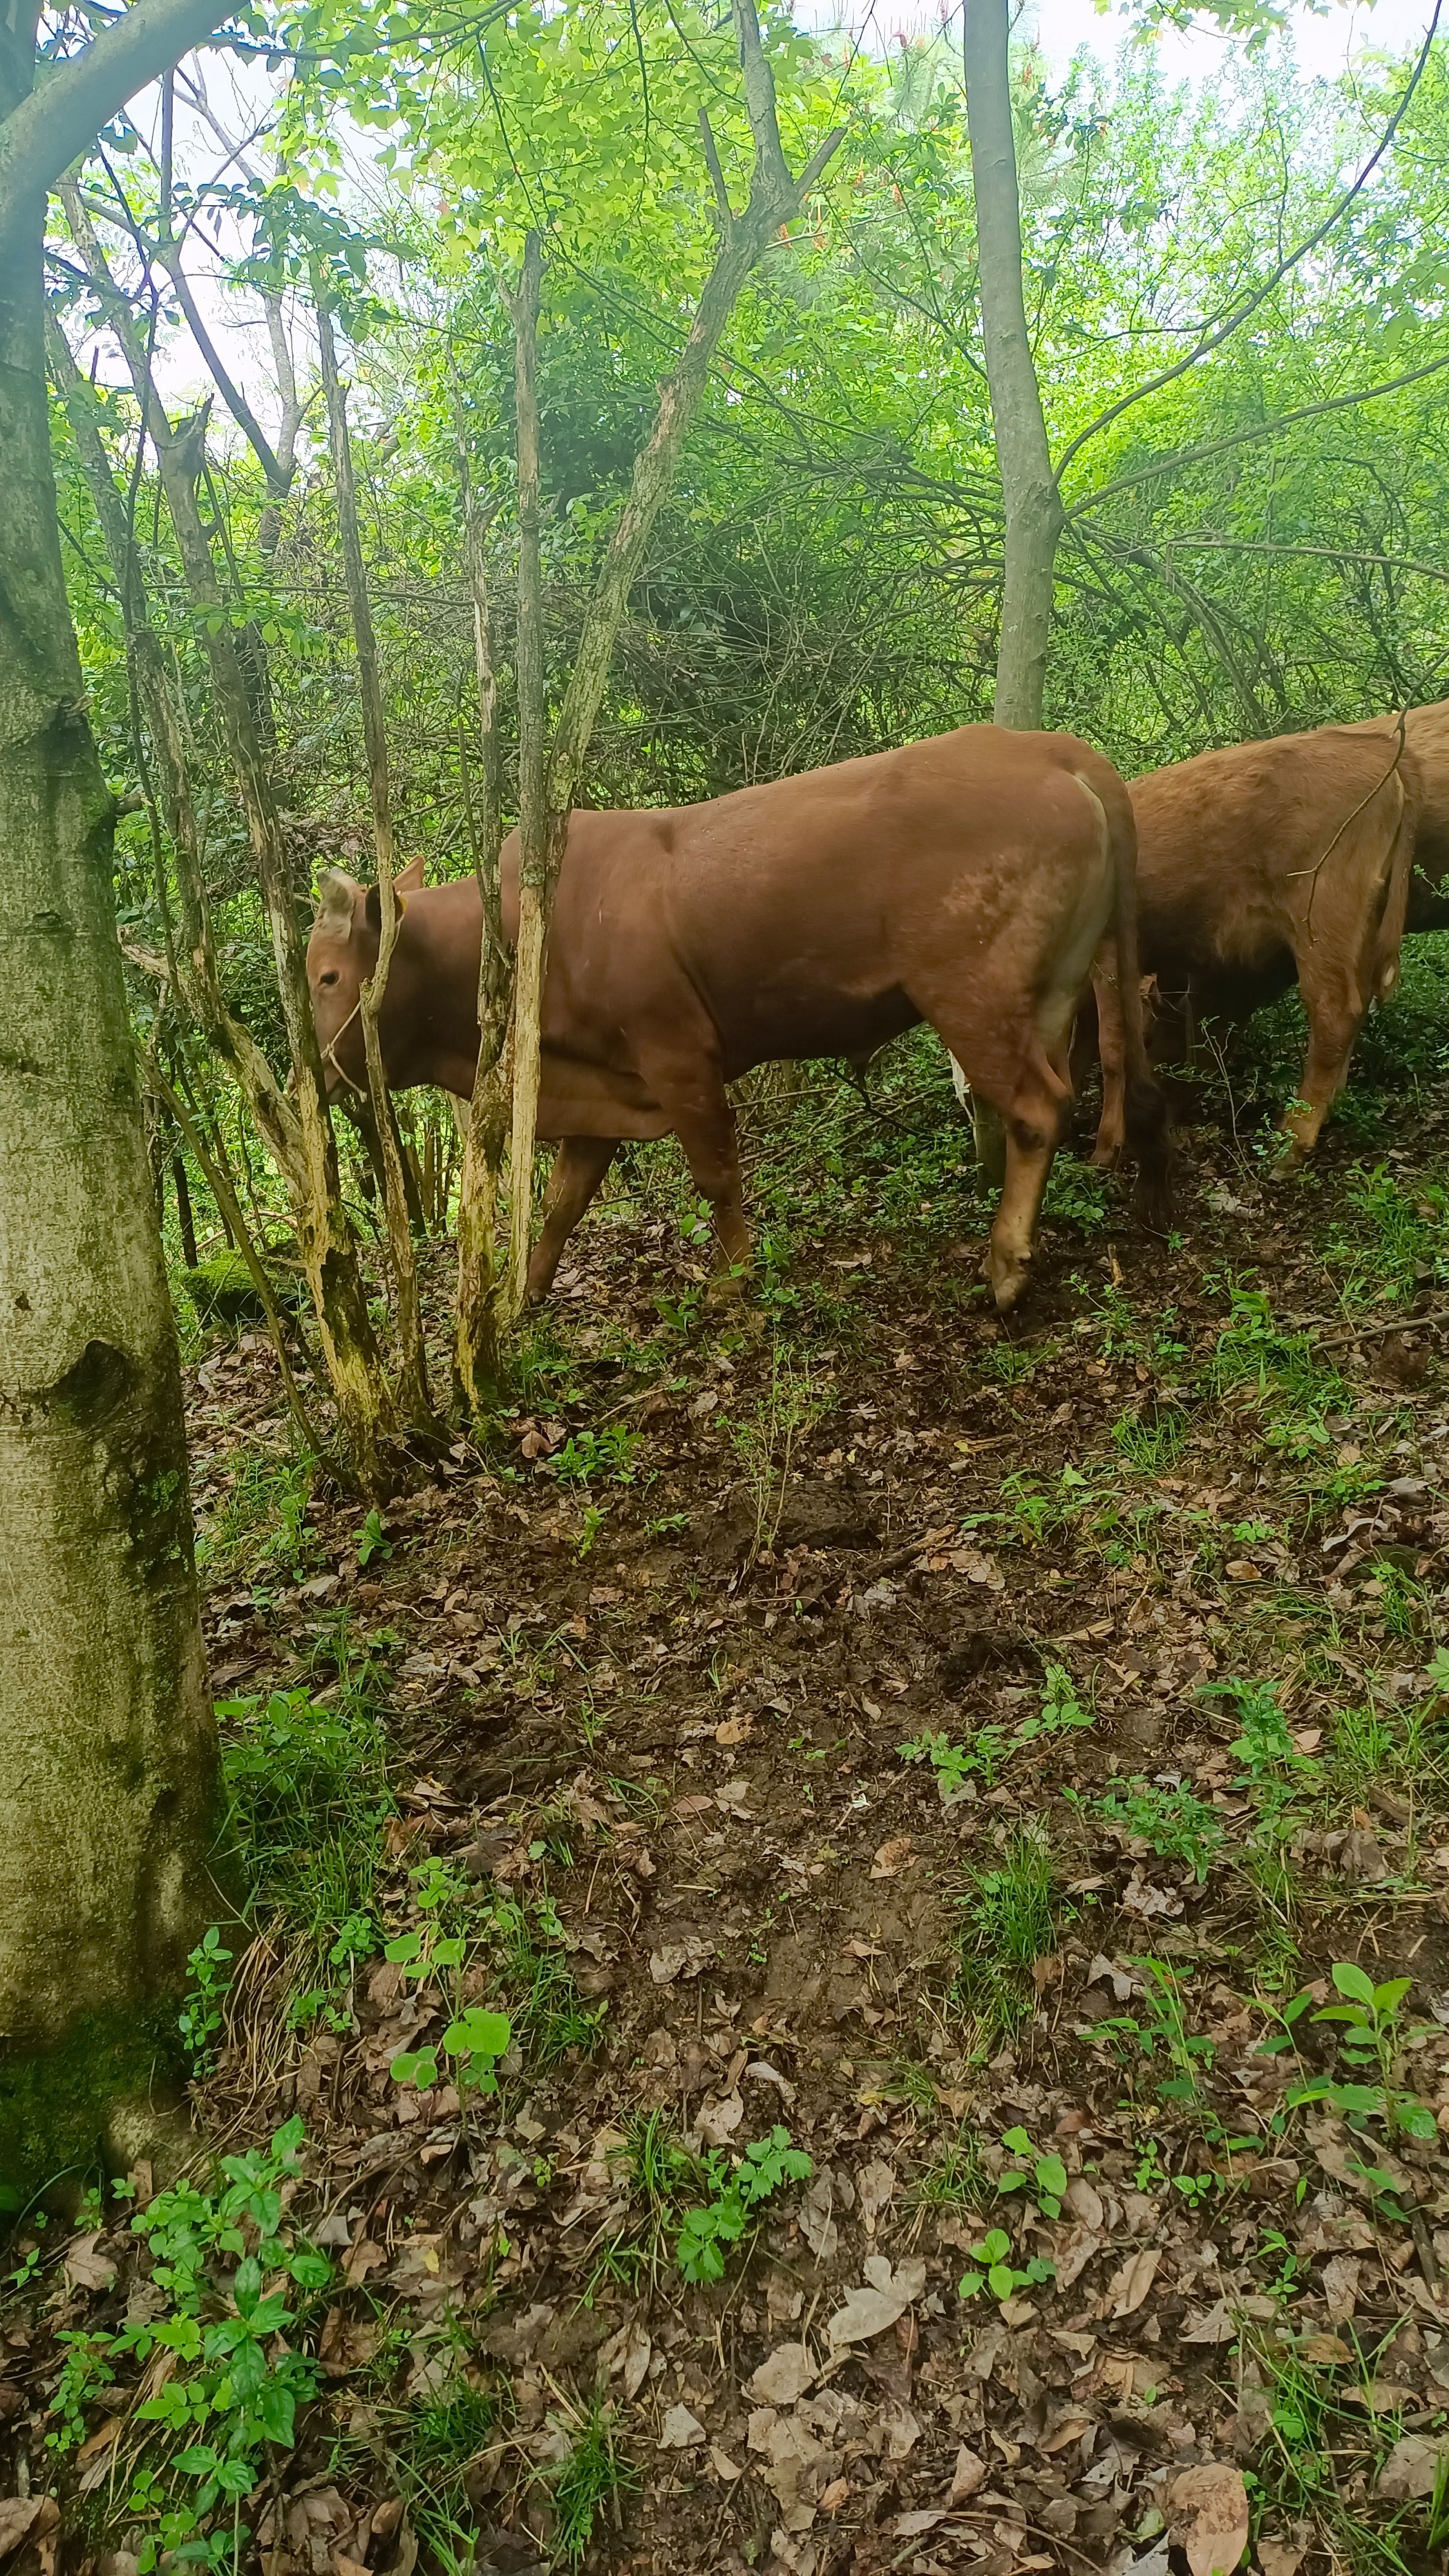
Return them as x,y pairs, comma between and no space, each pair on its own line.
998,2274
1044,2176
372,1539
475,2041
1373,2039
201,2019
707,2235
418,1955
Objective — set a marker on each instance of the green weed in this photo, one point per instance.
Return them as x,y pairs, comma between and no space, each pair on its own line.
1372,2041
710,2232
1160,2030
1151,1442
1010,1919
239,2294
591,2477
1171,1820
201,2018
956,2177
997,2273
310,1803
599,1457
1035,2171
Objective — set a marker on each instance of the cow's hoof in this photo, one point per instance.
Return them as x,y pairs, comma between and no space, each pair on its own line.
1008,1278
1292,1159
1104,1155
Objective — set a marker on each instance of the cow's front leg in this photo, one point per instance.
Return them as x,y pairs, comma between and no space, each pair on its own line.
706,1130
578,1168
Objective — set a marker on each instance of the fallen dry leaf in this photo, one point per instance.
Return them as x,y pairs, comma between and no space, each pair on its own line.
1411,2469
1325,2349
25,2517
1280,2557
817,2226
867,2312
1073,2249
735,1730
677,1959
1214,2325
1129,2287
892,1857
1340,2287
680,2430
786,2375
84,2268
968,2475
1208,2517
716,2122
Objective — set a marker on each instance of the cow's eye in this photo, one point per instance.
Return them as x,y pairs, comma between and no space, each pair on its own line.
330,977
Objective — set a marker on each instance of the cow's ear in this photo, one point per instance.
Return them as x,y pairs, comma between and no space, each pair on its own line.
336,893
405,882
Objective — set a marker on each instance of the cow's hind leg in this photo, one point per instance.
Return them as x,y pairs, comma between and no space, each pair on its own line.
578,1168
1033,1130
1336,1013
1030,1097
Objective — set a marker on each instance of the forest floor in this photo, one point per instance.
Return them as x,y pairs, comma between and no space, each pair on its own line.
912,1783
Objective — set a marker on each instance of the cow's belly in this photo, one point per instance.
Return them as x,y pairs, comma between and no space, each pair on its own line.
577,1099
798,1028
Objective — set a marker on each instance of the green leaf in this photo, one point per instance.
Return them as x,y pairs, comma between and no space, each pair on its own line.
994,2244
1001,2280
478,2034
1017,2140
1350,1980
1051,2175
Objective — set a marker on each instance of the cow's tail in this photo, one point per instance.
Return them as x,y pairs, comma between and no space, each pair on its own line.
1144,1107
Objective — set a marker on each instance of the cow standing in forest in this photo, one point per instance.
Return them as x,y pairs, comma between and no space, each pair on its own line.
965,881
1265,864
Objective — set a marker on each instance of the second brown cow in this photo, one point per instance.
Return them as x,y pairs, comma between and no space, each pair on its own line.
1260,865
965,881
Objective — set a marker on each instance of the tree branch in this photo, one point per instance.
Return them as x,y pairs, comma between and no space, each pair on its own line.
56,122
1243,437
1244,311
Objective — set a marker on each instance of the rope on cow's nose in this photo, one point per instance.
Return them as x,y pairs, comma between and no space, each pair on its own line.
329,1052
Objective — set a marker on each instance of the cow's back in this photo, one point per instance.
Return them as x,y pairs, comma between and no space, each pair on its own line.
1227,840
787,908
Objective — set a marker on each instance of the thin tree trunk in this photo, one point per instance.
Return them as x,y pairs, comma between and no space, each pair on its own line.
184,1218
534,872
218,1181
108,1756
1029,490
543,819
411,1359
478,1323
297,1128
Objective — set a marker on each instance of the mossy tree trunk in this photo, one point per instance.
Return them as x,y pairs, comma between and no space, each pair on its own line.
108,1754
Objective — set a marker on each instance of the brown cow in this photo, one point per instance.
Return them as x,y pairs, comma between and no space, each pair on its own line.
966,881
1426,730
1259,865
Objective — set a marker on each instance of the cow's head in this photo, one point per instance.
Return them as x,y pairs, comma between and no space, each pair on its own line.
341,954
